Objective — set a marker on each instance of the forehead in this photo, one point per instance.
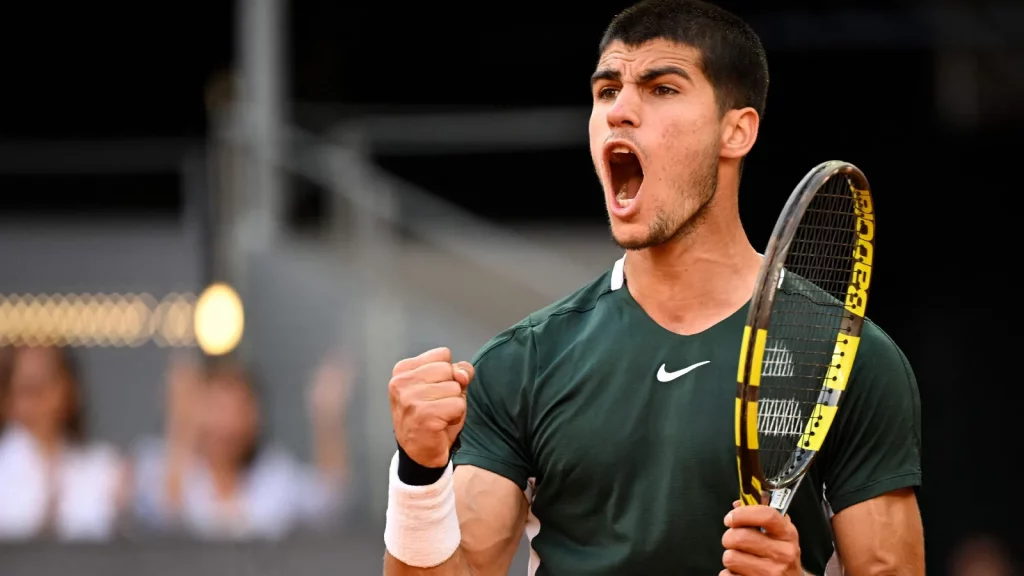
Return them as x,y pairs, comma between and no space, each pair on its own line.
229,387
36,360
631,60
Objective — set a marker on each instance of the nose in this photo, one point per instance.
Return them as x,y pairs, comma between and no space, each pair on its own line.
626,109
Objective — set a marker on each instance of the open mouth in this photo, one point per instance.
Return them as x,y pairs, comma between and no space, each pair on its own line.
626,174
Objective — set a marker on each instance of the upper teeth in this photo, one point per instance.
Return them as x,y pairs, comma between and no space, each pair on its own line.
621,150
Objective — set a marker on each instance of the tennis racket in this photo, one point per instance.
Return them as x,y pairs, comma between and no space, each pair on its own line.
802,331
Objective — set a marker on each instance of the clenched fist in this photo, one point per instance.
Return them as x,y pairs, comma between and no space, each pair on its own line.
428,405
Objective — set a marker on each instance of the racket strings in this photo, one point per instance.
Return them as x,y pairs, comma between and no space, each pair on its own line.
808,315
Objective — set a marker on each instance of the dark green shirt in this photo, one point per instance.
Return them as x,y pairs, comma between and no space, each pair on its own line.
632,474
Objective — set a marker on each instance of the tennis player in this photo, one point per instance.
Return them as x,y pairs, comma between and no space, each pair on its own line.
603,425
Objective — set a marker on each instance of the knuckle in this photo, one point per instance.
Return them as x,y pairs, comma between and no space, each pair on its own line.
394,388
414,410
729,559
793,552
445,371
737,537
452,389
397,368
400,391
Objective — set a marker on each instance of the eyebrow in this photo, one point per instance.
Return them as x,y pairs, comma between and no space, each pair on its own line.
648,75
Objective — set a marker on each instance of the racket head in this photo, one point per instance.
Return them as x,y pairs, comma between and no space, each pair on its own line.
803,327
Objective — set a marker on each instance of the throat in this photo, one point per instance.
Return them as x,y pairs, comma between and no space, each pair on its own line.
690,299
688,320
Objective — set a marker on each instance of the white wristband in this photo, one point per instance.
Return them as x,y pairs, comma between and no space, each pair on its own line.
421,529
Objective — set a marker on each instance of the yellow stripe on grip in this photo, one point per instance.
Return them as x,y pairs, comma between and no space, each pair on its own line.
755,362
748,499
739,410
820,422
744,347
838,374
752,425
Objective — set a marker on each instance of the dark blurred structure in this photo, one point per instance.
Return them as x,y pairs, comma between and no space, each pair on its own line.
334,164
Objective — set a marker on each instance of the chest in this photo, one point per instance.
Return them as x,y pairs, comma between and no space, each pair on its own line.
637,416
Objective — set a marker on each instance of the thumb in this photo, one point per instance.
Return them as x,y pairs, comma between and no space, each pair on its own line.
463,372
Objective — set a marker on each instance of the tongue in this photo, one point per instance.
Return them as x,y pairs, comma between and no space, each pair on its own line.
630,178
629,188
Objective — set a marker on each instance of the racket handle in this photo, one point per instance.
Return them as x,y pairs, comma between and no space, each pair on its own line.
783,497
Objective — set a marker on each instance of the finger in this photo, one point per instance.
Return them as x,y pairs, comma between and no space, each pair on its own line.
743,563
766,517
736,503
464,373
437,391
435,355
753,541
451,410
430,373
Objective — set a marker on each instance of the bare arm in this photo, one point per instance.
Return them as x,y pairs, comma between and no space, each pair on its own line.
882,536
183,390
492,516
328,397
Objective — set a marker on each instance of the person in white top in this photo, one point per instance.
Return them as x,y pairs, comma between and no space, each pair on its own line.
211,477
53,481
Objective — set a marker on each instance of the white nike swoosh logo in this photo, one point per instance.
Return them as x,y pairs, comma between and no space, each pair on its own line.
664,376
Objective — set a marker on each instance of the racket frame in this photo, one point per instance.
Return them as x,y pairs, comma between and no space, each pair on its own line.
754,487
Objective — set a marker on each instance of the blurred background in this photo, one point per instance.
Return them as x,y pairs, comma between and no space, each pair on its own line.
369,180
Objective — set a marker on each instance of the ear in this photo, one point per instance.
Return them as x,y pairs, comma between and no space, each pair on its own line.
739,132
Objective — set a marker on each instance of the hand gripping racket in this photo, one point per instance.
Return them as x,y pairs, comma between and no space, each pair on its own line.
802,331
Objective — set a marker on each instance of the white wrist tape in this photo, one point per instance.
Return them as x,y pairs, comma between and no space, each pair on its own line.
422,529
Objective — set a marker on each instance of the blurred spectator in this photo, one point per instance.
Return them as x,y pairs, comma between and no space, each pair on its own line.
981,556
6,355
214,477
53,482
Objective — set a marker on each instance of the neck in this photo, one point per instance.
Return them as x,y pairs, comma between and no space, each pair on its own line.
225,479
701,277
48,442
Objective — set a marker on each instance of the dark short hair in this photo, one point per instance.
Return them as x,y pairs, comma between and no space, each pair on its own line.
732,57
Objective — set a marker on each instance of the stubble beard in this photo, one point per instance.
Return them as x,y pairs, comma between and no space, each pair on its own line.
667,227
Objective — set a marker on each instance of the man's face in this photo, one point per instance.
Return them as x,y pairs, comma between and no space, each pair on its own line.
655,136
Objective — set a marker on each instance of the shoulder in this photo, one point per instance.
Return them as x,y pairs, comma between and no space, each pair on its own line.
98,452
879,356
554,322
97,461
882,385
274,458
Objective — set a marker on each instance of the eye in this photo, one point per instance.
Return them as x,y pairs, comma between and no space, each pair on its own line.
607,93
665,91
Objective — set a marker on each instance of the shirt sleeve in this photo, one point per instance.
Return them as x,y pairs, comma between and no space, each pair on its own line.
495,433
875,445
